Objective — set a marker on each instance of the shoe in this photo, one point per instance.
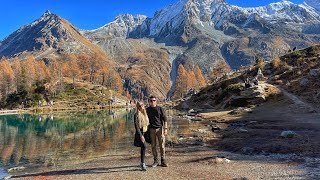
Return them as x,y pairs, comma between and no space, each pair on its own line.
164,163
155,164
143,167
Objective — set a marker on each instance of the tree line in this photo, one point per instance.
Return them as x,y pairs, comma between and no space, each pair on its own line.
188,80
25,81
192,80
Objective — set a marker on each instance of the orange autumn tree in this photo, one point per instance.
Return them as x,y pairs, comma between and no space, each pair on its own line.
102,69
219,69
180,82
191,80
56,75
6,77
17,70
200,78
84,64
30,69
115,81
103,73
71,68
43,70
93,69
119,83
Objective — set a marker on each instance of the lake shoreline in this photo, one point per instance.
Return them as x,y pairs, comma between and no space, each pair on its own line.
47,109
239,143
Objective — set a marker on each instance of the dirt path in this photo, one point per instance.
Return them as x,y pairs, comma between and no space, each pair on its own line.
193,162
296,100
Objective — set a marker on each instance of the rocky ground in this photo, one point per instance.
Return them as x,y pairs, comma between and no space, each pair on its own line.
192,162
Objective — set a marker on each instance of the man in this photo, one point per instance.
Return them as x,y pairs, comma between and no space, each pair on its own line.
158,130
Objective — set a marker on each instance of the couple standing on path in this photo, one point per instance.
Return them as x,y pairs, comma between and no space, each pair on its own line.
153,120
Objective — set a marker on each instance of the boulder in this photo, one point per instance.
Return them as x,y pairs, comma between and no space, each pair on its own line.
288,134
201,130
196,119
240,110
242,130
304,82
219,160
14,169
185,105
252,92
250,96
315,72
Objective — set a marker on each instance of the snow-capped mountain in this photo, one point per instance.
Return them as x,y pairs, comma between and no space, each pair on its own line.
191,32
218,13
284,11
211,29
214,30
120,27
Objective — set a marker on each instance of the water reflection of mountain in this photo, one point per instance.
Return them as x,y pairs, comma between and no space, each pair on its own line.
61,138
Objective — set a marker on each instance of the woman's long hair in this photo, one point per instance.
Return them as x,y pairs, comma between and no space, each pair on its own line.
143,120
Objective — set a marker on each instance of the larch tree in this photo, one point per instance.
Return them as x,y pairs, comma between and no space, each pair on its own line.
103,73
93,69
276,62
219,69
114,81
180,82
71,68
7,77
56,80
84,65
102,69
192,80
30,68
199,76
43,70
17,68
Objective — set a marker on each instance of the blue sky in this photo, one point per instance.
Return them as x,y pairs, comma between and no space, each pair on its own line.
87,14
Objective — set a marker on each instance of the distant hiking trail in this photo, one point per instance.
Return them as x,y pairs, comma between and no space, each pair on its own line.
295,99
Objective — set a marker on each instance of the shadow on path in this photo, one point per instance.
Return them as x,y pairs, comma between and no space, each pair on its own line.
101,170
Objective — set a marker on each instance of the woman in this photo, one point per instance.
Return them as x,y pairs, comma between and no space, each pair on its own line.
141,122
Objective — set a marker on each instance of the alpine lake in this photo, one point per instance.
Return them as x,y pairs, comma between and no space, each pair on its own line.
31,142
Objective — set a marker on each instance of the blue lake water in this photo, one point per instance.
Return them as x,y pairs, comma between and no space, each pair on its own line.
60,139
3,173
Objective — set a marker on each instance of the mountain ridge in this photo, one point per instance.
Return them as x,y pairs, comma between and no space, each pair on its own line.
188,32
48,36
180,23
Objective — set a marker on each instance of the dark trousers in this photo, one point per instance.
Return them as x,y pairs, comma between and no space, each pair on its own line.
143,152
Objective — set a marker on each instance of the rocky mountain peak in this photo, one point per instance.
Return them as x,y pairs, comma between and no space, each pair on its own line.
45,16
121,26
130,19
49,35
47,13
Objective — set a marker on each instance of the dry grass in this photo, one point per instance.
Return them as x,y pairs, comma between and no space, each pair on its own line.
225,115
